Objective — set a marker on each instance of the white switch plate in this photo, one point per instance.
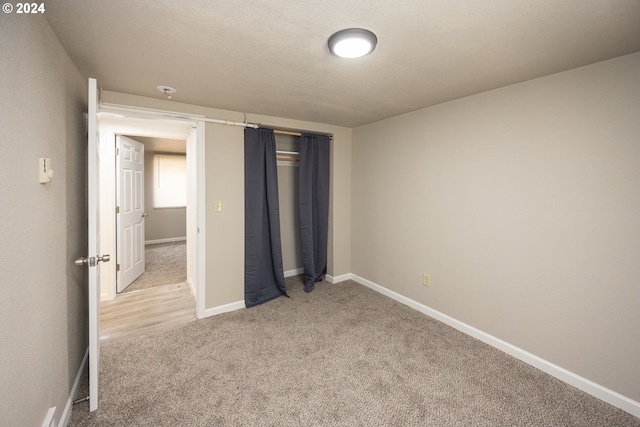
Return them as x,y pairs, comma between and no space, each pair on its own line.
217,206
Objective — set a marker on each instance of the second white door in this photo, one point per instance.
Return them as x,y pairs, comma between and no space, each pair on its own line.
130,212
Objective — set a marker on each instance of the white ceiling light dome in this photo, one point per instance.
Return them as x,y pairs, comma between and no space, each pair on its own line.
352,43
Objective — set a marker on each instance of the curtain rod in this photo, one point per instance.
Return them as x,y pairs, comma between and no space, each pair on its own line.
164,114
142,112
288,132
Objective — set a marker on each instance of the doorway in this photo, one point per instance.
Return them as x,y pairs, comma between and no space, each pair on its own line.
164,222
149,129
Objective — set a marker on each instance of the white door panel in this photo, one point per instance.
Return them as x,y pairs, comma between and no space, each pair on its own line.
130,218
94,244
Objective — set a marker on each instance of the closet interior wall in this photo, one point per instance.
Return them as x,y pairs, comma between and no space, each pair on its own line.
288,173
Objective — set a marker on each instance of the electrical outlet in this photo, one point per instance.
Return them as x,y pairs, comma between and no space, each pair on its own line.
426,280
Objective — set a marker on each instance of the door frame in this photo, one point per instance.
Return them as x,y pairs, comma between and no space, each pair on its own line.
128,124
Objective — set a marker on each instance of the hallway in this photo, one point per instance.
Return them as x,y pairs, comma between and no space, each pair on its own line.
146,311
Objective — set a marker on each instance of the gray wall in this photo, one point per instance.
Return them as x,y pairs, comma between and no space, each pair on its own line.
523,203
161,223
43,309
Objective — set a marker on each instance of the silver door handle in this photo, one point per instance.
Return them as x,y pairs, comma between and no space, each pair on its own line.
91,261
144,215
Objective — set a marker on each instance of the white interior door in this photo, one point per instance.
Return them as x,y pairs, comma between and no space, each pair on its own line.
93,259
130,211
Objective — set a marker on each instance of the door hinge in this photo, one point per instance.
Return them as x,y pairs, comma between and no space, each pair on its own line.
117,209
117,267
117,151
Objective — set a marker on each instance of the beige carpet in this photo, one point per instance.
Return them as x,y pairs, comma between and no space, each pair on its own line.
165,264
342,355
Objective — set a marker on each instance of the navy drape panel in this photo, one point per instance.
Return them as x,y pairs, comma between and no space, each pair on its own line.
314,207
263,272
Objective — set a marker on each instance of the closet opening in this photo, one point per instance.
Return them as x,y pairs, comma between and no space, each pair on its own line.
287,197
287,156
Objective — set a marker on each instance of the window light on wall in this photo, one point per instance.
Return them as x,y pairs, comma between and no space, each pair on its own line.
169,181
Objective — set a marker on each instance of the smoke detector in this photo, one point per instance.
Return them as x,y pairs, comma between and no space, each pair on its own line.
166,90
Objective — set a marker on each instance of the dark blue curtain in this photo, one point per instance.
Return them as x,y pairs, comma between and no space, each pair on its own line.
314,207
263,272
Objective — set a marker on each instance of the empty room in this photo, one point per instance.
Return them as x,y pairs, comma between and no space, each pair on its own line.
389,213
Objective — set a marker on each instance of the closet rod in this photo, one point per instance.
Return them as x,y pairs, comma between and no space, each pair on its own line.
286,132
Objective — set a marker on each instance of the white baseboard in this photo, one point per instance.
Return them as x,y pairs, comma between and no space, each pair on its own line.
50,418
603,393
192,288
328,277
223,309
295,272
338,279
167,240
66,414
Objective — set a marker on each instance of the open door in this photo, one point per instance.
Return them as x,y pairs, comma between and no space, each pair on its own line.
130,211
93,259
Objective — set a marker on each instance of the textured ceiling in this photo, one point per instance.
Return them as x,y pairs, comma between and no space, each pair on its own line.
270,57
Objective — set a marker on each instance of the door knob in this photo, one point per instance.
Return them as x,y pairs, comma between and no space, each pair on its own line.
144,215
91,261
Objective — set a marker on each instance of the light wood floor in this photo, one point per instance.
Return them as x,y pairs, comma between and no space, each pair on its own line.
146,311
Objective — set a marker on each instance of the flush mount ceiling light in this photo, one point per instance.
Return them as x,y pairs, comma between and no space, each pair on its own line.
352,43
166,90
